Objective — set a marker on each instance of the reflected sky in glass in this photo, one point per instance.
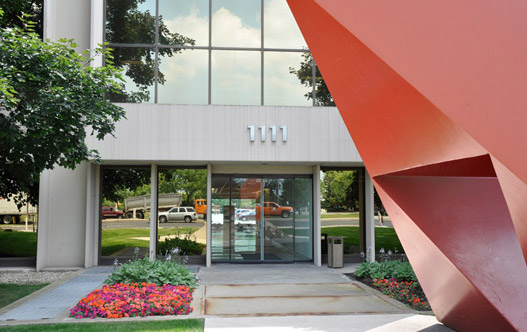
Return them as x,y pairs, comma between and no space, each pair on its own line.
189,18
280,28
186,78
236,23
235,78
280,86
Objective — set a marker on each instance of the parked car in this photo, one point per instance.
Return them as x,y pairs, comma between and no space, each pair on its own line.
110,212
185,213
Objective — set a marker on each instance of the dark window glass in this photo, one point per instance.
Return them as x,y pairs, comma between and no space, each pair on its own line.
130,21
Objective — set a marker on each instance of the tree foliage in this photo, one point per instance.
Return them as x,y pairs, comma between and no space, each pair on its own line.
50,100
305,75
14,9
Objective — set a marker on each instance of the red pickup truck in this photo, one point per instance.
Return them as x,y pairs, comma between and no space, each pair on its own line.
110,212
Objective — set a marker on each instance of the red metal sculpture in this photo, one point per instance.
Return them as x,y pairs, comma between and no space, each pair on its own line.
434,94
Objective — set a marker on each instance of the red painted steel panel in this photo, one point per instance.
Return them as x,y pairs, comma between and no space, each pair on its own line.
433,95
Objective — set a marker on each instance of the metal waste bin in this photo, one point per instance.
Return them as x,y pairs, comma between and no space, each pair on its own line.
335,251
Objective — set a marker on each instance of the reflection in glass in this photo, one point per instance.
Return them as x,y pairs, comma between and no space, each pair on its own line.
139,75
184,78
279,219
281,87
220,218
303,219
176,214
236,78
236,23
280,28
130,21
188,18
125,211
246,230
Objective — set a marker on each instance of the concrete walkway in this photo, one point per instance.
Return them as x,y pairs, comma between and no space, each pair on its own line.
282,297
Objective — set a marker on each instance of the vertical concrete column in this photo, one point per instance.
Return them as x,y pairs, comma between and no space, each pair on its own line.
317,250
208,223
369,214
96,30
153,211
92,215
44,220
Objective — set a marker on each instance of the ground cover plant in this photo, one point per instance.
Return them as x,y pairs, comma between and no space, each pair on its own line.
395,279
176,325
131,300
183,241
9,293
384,237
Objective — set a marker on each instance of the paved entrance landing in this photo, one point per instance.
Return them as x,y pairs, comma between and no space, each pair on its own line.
288,290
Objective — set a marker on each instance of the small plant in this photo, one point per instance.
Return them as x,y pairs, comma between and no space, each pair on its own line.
387,269
408,292
152,272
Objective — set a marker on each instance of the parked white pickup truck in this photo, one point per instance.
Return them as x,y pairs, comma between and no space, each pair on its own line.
10,213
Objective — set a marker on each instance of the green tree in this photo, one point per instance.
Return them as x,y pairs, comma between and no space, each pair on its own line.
340,190
50,100
14,9
305,75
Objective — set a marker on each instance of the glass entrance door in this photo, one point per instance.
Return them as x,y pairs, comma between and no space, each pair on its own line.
253,219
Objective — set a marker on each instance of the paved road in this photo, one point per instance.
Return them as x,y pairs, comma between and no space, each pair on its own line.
144,223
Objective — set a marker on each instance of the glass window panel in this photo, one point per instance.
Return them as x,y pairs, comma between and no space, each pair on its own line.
183,77
130,21
280,28
236,23
220,218
236,78
303,219
187,19
281,87
279,219
125,213
138,74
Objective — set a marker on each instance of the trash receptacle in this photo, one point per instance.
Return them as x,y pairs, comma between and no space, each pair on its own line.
335,251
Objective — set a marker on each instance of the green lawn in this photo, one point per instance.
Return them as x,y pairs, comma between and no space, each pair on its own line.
114,240
9,293
339,215
384,237
18,244
178,325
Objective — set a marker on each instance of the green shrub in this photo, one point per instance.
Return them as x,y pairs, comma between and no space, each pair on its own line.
390,269
157,272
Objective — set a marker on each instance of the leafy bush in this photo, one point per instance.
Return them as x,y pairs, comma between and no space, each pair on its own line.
152,272
390,269
185,244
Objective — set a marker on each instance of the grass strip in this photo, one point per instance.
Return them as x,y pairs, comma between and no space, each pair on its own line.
178,325
9,293
384,237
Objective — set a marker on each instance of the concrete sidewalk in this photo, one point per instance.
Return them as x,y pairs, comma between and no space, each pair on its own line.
282,297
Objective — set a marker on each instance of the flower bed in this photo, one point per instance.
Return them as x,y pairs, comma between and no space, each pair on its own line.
408,292
130,300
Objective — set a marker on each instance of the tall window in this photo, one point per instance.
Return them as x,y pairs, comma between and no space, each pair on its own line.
227,52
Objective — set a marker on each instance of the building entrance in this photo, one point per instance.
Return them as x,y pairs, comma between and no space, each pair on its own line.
262,219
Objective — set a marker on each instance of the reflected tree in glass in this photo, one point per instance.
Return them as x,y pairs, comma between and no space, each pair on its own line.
305,75
126,23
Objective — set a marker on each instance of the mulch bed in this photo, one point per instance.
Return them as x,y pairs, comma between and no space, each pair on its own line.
407,292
